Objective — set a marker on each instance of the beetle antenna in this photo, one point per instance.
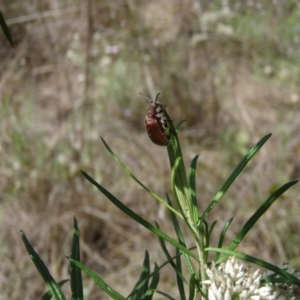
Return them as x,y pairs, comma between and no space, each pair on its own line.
146,97
156,99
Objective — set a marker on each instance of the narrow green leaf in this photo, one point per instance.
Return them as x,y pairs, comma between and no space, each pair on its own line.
178,125
179,279
269,279
192,184
141,287
177,269
99,281
180,184
258,262
176,266
181,192
204,234
48,294
75,272
154,283
166,295
6,30
134,178
222,236
132,296
49,280
180,238
192,287
261,210
170,259
234,175
137,218
211,229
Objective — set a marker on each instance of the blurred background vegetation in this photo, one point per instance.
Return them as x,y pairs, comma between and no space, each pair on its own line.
230,67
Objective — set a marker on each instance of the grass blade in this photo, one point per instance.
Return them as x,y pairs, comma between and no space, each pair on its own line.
48,295
75,272
141,287
157,269
261,210
192,184
234,175
222,236
139,182
49,280
180,238
137,218
178,125
211,229
166,295
154,283
192,286
170,259
101,283
179,279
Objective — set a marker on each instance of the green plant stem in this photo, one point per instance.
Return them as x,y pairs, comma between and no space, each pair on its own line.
202,262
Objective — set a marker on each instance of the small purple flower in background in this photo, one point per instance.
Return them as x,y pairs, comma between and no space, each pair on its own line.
112,49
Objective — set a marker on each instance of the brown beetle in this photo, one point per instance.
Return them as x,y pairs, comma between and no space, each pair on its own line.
157,123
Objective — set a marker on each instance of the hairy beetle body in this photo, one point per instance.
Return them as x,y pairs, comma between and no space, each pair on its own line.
157,123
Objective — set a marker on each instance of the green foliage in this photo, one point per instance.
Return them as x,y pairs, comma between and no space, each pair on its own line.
54,287
184,205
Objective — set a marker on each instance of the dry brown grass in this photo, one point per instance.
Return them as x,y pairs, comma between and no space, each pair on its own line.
62,88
